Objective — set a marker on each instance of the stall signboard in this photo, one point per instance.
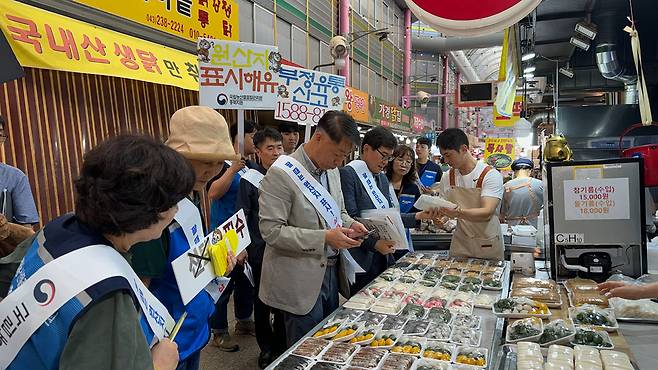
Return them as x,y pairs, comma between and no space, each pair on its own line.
41,39
418,123
238,75
388,115
356,104
597,199
305,95
193,270
499,152
421,123
188,19
503,121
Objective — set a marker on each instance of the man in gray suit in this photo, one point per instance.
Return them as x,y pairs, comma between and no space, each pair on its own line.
365,187
302,272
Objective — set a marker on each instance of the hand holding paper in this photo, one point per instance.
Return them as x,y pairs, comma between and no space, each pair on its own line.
385,246
426,202
429,214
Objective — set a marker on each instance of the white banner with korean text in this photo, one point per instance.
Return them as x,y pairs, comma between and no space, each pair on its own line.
237,75
305,95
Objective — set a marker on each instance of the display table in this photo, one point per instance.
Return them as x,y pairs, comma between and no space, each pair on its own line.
636,340
490,327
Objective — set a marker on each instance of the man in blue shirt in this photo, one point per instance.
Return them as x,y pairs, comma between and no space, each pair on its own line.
18,212
223,193
428,171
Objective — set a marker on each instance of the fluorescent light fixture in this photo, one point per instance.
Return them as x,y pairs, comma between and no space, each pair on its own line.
586,29
567,72
528,76
529,69
528,56
579,42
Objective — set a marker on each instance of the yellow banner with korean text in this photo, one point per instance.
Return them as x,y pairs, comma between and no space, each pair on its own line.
188,19
500,152
356,104
501,120
42,39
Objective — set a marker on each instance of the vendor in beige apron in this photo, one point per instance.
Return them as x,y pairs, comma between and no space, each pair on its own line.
476,189
474,239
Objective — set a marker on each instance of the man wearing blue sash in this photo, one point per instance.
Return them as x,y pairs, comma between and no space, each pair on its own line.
428,171
270,334
78,298
365,187
306,228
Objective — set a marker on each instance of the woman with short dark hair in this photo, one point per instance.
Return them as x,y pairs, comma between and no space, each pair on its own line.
405,187
124,195
401,173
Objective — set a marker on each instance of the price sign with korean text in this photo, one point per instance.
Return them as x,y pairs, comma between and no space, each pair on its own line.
499,152
188,19
238,75
305,95
41,39
356,104
193,269
597,199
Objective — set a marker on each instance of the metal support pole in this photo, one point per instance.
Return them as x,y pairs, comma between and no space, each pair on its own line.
344,30
406,87
457,78
444,92
241,131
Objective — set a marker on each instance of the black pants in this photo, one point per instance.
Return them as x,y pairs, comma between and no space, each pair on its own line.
270,334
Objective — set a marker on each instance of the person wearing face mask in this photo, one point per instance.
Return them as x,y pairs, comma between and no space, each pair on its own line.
365,187
290,133
269,335
428,171
123,195
477,190
305,227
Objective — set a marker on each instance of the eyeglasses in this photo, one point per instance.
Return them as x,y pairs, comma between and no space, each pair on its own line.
404,161
385,157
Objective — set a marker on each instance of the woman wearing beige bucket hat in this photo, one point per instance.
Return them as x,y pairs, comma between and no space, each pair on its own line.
201,135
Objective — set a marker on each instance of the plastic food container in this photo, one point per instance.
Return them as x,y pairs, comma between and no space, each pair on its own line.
529,330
